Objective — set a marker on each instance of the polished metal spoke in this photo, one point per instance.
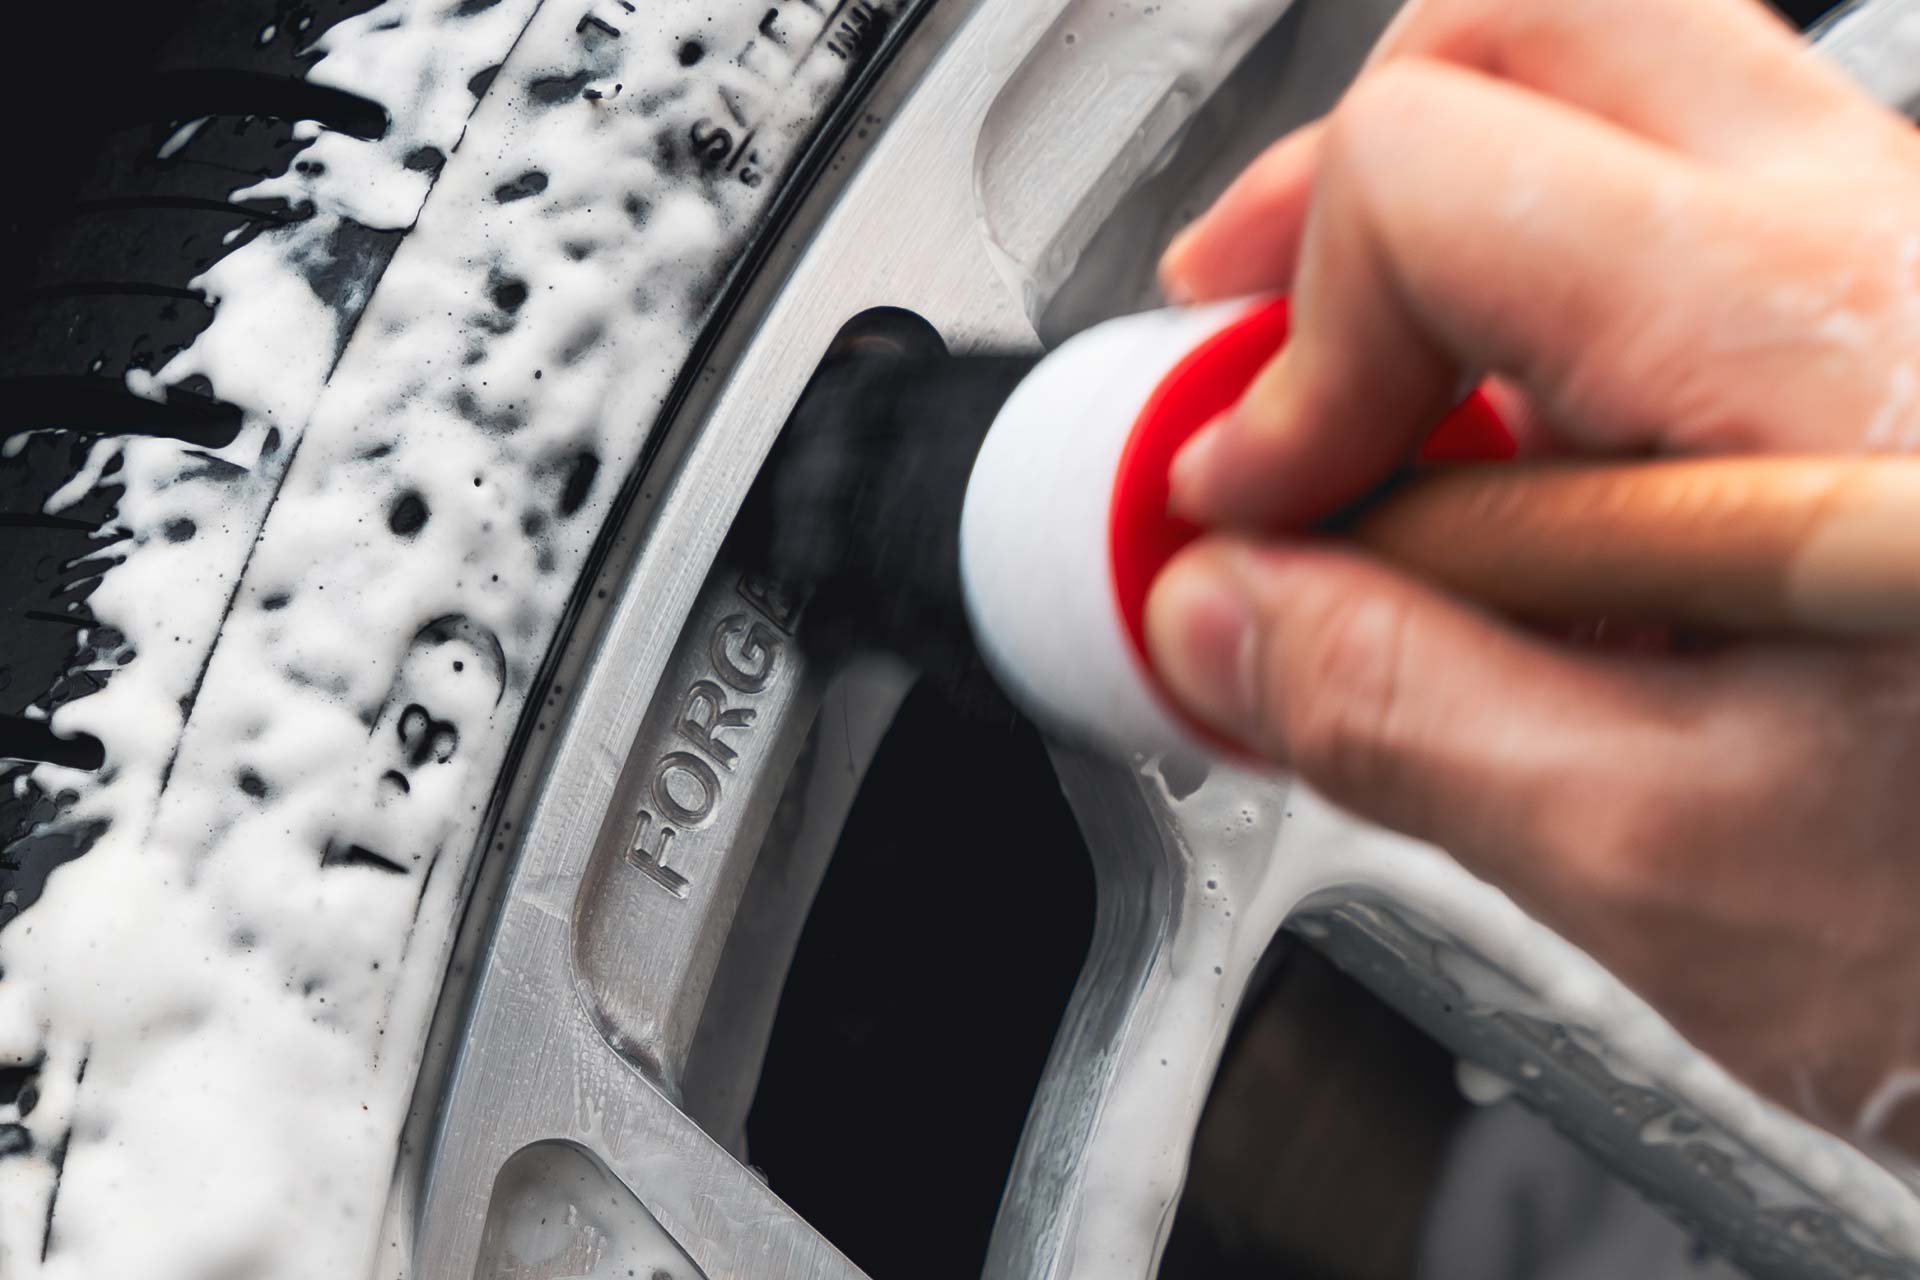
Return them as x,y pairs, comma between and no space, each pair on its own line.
1184,919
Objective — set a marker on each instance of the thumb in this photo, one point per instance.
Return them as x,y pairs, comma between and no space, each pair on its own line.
1405,706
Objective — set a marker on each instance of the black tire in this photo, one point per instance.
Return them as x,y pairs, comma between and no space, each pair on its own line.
101,247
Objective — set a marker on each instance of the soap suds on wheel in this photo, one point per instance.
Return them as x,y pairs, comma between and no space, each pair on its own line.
224,1000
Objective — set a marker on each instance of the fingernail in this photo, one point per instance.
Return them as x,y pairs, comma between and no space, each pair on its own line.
1205,641
1173,281
1190,475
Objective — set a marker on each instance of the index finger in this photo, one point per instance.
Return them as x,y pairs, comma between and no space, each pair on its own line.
1545,251
1726,81
1722,81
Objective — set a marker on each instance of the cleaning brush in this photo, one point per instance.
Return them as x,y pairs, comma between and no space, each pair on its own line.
926,496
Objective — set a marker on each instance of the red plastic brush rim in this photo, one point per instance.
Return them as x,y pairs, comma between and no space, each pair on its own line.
1209,380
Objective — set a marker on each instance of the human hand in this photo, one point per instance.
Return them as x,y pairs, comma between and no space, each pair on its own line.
1662,226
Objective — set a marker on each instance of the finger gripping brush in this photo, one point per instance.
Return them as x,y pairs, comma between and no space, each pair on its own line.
918,489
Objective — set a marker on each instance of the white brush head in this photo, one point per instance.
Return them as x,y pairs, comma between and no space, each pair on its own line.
1036,544
1066,525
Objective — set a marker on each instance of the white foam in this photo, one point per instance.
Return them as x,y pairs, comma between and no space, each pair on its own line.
249,1020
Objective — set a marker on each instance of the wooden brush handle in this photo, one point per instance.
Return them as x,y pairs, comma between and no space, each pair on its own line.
1827,546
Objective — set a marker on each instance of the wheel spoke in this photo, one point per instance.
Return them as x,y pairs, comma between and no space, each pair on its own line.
607,946
724,1064
1184,918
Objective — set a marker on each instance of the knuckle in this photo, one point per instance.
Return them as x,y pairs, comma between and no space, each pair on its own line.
1384,99
1342,721
1369,130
